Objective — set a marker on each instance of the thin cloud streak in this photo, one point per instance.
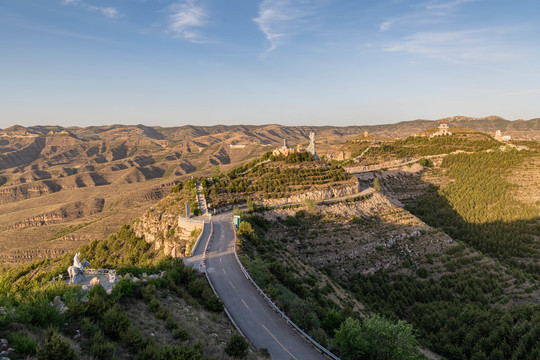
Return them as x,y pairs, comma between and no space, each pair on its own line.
109,12
456,46
280,19
185,17
430,12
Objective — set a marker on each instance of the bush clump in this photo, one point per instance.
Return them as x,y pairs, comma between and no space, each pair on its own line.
23,343
123,288
56,348
115,322
101,348
237,346
181,334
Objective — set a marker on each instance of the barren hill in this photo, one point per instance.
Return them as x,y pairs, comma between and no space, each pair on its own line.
47,169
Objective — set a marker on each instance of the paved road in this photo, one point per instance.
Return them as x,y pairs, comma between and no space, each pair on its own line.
258,322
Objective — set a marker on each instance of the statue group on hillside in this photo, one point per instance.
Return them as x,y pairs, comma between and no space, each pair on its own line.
76,271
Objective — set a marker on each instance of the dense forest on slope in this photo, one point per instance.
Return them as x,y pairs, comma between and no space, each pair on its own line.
464,140
315,304
458,327
478,208
462,304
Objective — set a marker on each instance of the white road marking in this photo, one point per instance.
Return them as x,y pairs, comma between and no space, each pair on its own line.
278,341
224,271
245,304
232,285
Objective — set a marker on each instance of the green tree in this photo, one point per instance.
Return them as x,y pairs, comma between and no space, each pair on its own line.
245,229
425,162
56,348
237,346
376,338
376,184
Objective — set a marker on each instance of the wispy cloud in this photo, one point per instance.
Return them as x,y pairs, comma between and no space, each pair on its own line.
435,29
425,13
456,46
280,19
185,18
109,12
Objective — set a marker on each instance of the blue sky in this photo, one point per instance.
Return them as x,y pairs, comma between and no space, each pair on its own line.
292,62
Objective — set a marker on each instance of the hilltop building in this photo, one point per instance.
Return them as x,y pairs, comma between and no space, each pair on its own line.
285,150
499,136
443,129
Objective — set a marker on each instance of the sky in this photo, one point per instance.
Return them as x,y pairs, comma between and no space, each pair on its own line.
289,62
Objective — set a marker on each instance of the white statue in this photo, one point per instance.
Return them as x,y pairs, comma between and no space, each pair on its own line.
76,271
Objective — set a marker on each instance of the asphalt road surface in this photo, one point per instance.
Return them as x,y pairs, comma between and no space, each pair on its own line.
263,327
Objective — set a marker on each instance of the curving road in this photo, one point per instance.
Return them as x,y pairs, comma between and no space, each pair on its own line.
253,316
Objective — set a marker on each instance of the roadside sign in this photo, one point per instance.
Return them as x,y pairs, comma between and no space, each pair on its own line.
236,221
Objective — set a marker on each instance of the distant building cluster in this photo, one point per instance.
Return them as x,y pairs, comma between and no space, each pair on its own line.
500,137
443,129
285,150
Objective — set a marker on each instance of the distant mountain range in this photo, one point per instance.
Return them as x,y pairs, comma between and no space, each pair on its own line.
273,134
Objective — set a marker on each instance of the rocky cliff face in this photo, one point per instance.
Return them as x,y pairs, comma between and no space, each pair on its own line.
167,231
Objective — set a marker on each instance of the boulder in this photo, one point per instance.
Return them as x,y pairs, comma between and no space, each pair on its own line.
94,281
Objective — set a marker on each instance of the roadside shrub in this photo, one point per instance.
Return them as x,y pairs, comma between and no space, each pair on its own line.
23,343
183,352
115,322
246,230
332,321
56,348
214,304
181,275
197,287
181,334
264,353
237,346
376,338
